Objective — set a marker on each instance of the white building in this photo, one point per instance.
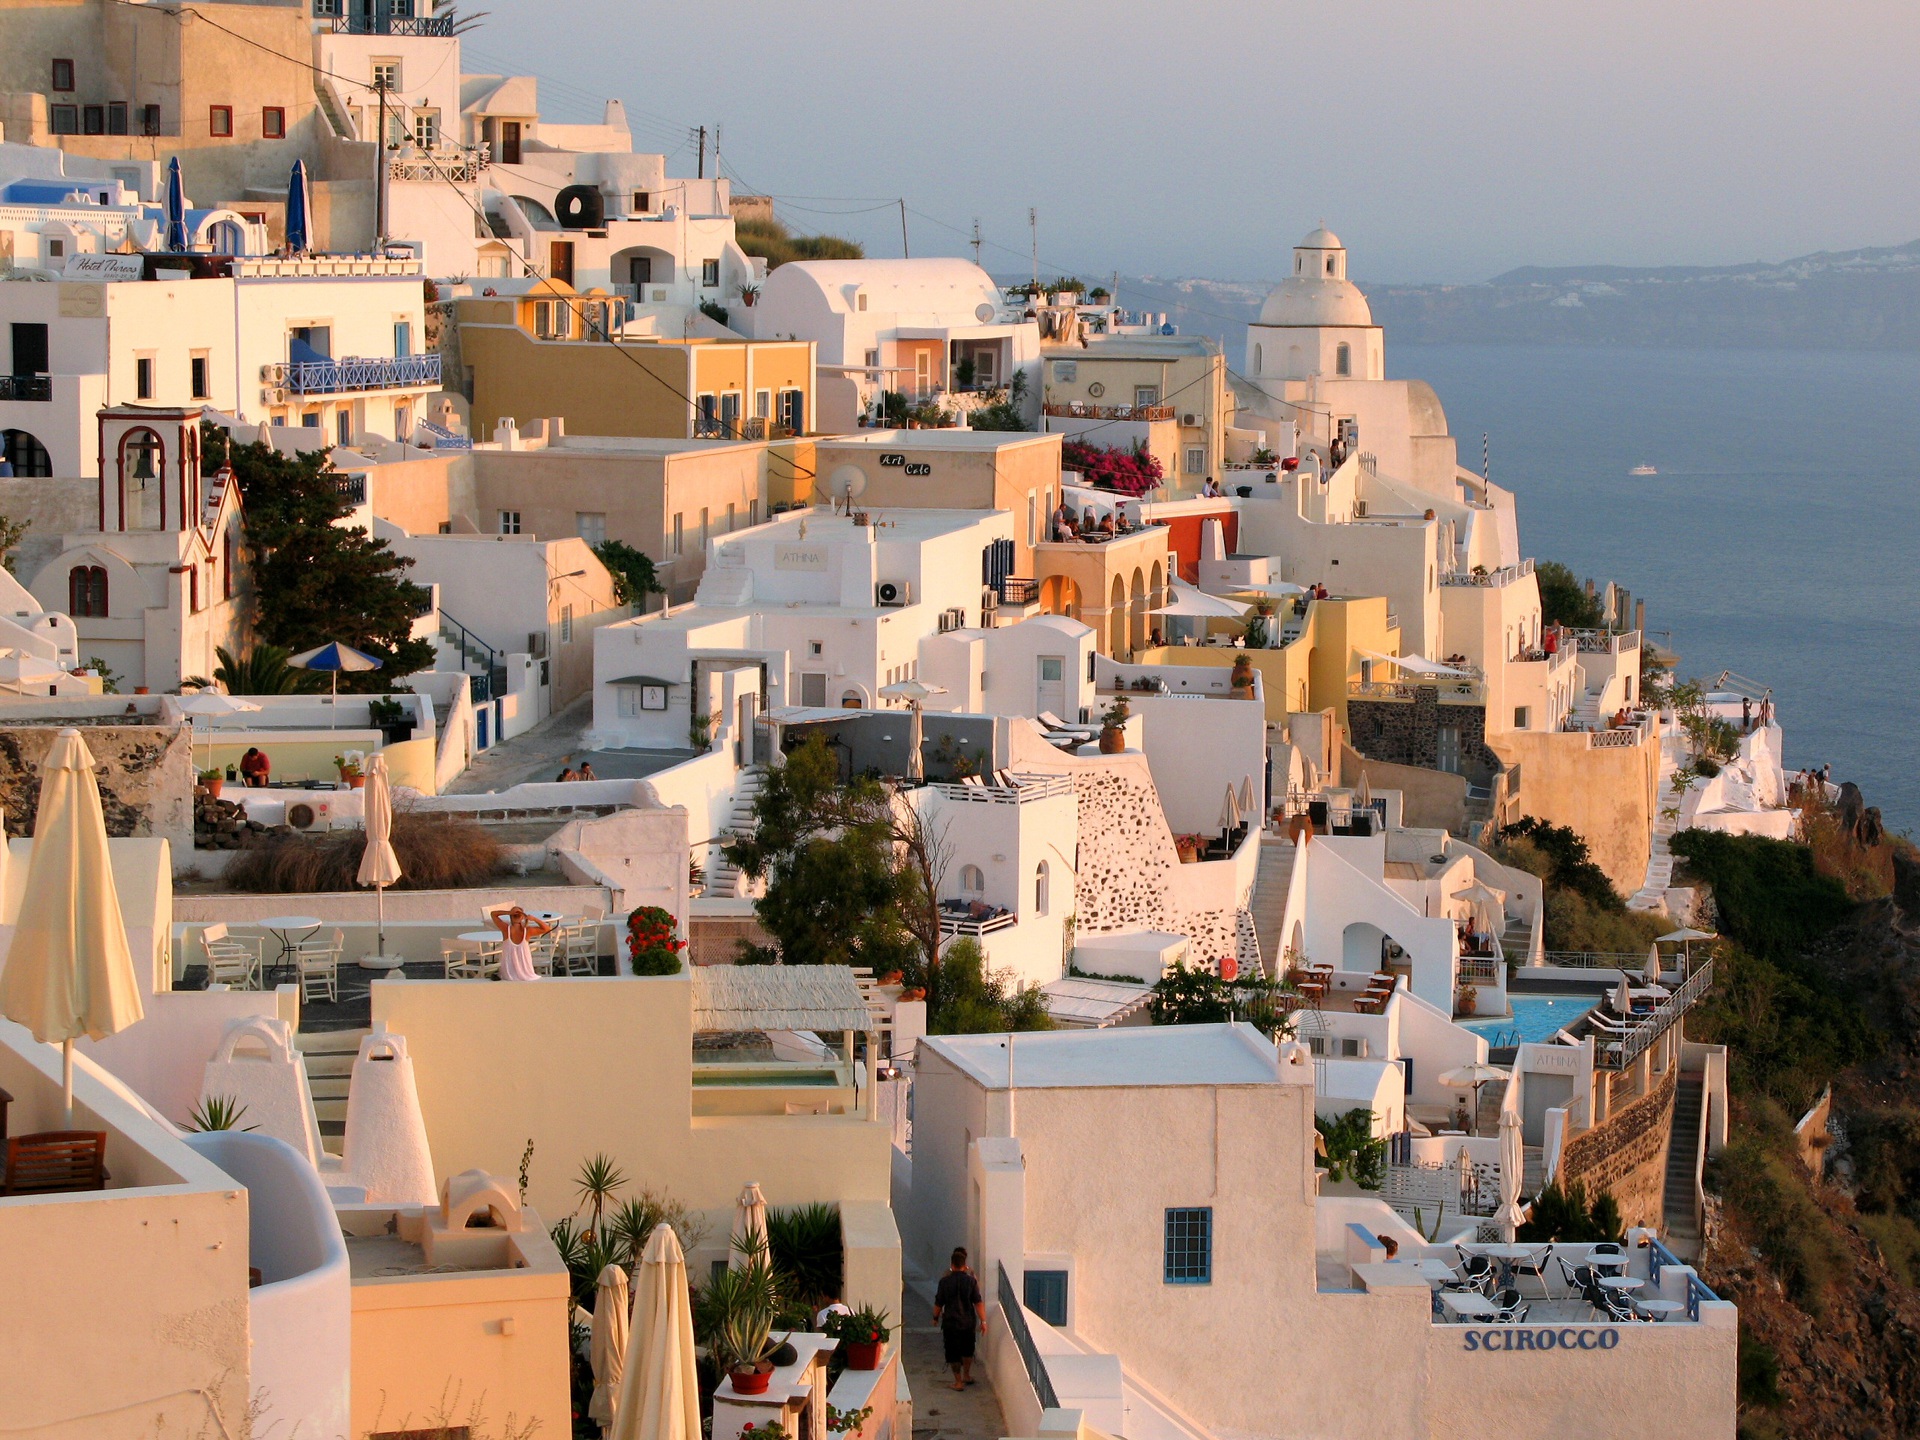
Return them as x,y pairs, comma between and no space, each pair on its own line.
907,326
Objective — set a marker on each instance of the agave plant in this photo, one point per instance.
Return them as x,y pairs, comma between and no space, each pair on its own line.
218,1112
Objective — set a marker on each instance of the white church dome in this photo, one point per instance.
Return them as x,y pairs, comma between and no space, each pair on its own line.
1318,292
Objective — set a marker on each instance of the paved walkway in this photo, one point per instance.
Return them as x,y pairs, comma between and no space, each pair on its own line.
939,1411
548,748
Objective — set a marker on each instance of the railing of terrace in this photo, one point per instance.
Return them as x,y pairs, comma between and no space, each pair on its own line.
26,387
1595,960
1016,1314
1610,1054
328,377
1659,1258
1076,410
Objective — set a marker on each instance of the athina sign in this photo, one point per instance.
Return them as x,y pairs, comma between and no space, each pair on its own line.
1523,1337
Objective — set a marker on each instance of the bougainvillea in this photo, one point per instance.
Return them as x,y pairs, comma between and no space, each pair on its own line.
1130,472
653,943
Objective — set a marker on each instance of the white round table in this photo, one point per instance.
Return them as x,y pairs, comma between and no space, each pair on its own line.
281,927
1620,1282
1659,1309
1507,1256
481,937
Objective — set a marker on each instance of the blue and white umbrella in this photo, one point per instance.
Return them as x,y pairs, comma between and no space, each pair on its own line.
297,240
175,240
334,657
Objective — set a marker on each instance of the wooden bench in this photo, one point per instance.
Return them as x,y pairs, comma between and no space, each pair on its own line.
55,1160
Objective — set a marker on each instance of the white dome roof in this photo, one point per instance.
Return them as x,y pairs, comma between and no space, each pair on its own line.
1316,300
1321,239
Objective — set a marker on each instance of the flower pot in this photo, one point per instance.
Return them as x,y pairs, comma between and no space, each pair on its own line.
213,786
753,1381
864,1354
1112,740
914,993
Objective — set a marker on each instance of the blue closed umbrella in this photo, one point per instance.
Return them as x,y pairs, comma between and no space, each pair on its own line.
335,657
297,241
176,236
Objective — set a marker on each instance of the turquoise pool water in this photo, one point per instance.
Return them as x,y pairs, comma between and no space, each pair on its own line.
1535,1017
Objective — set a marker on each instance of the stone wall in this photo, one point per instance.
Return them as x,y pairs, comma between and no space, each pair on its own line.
146,778
1407,732
1628,1155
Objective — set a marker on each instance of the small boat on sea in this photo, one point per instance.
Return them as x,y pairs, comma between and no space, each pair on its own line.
1643,470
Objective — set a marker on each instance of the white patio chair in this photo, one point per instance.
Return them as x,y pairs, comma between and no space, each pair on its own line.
230,959
583,947
318,963
467,959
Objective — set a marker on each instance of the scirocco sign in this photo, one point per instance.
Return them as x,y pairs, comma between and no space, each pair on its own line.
1527,1338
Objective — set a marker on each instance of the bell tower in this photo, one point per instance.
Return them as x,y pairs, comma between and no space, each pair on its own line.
149,468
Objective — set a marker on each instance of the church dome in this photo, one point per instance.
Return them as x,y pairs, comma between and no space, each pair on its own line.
1318,292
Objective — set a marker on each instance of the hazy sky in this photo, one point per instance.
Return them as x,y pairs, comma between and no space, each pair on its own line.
1443,139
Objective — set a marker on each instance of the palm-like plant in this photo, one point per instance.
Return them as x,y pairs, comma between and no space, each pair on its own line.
263,671
599,1181
218,1112
804,1242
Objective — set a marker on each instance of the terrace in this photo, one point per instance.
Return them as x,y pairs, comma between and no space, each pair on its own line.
354,374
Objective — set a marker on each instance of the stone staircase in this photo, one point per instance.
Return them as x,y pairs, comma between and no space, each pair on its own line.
1515,940
1269,905
722,875
1683,1231
328,1056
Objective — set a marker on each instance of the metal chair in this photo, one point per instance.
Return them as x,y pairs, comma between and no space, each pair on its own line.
1537,1268
231,960
318,964
1512,1314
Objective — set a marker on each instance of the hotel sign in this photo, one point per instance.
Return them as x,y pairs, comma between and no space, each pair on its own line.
1518,1337
894,460
800,557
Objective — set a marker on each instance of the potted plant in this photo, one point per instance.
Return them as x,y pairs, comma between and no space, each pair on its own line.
749,294
1099,295
351,772
212,779
1189,848
1242,678
863,1335
653,943
396,722
1113,737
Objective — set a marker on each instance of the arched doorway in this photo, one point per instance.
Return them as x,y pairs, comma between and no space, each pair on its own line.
26,456
1060,596
1137,613
1117,620
642,266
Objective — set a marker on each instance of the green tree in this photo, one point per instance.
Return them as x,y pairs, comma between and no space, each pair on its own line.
975,1001
1354,1152
1004,413
1192,996
264,671
12,532
314,578
634,576
1563,599
773,242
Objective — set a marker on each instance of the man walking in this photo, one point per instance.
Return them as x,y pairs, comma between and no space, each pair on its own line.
958,1308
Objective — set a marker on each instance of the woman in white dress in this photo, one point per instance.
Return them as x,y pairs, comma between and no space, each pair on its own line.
516,928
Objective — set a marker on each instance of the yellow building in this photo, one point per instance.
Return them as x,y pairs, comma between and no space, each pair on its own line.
1168,392
548,353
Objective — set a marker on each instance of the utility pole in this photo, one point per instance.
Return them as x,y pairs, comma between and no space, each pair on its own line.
380,161
716,149
905,254
1033,224
975,242
700,171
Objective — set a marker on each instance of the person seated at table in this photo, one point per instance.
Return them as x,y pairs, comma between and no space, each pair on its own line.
1390,1245
255,769
1211,490
567,774
1063,522
1122,522
586,771
1105,527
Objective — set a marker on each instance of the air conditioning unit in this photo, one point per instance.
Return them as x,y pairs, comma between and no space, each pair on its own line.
315,814
954,617
1189,419
893,593
989,599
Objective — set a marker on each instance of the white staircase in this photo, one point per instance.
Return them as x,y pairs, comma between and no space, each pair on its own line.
1270,886
329,1056
723,877
1586,714
1652,894
725,584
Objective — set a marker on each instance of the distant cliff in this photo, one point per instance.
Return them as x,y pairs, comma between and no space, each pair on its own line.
1855,300
1848,300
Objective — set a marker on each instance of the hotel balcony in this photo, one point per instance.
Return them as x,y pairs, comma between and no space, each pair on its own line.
1490,579
355,374
433,27
26,387
1448,692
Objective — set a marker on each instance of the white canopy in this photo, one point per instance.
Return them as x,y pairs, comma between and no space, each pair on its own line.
1416,665
1189,603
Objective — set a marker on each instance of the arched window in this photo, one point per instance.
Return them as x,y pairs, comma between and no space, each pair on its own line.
1258,366
851,700
27,456
1298,262
87,592
1329,264
1040,888
972,880
1343,359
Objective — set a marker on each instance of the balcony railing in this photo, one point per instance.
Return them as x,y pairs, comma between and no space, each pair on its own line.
333,377
461,166
1493,579
961,925
1450,692
1480,969
353,488
710,428
1604,642
26,387
1611,1052
419,26
1625,738
1075,410
1018,592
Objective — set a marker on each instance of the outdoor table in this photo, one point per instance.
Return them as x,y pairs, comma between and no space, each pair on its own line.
1468,1305
1437,1272
1507,1255
1658,1309
481,937
1621,1282
1607,1262
281,927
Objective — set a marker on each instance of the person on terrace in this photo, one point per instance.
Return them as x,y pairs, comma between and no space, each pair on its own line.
255,768
516,929
1063,522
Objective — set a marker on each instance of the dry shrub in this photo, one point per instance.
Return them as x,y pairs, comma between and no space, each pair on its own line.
1865,870
436,852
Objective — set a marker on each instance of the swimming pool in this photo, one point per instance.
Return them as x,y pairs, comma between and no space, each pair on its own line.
1536,1017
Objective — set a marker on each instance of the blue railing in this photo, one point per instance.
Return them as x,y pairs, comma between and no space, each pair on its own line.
1016,1314
444,439
329,377
1660,1256
432,26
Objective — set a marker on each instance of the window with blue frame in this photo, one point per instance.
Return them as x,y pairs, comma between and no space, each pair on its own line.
1046,1295
1189,1252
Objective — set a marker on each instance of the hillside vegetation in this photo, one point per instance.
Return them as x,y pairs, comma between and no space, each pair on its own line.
774,243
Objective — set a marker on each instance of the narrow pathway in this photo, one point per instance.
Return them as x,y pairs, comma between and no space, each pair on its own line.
939,1411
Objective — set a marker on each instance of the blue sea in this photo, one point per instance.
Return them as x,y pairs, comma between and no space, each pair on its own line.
1780,540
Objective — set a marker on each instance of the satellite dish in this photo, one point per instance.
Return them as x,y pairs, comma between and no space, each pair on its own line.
983,312
847,483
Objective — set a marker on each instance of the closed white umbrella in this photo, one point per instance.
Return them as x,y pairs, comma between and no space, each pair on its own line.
607,1347
1230,812
1246,795
913,692
659,1391
749,1227
69,972
1512,1168
379,866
